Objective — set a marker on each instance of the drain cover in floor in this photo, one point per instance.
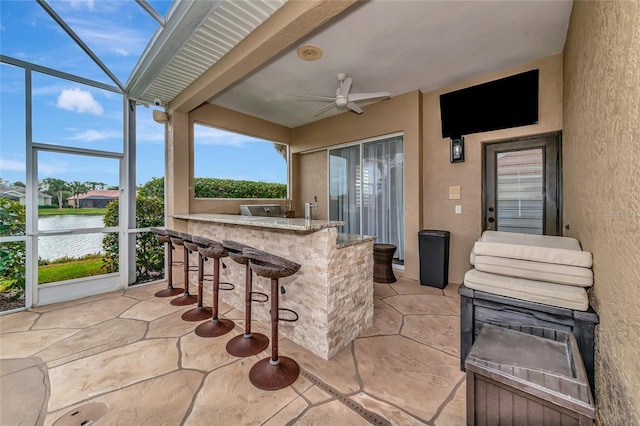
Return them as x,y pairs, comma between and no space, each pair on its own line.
83,415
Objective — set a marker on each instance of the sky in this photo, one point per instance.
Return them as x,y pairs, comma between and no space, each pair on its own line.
75,115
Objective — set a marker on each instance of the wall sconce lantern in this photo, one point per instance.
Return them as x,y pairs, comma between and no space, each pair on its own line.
457,150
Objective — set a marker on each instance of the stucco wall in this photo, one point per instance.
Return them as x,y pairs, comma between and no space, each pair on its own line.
311,181
438,173
398,114
601,150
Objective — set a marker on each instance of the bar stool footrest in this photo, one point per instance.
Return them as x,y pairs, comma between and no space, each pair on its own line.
227,286
287,319
260,300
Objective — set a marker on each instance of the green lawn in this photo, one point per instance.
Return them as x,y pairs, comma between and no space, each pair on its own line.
51,212
69,270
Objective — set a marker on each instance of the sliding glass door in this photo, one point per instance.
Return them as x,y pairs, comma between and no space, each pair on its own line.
366,190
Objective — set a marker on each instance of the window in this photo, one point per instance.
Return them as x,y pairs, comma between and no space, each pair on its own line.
366,190
231,165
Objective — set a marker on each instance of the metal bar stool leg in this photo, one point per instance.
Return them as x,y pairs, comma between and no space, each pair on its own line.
216,326
249,343
276,372
170,291
200,312
186,298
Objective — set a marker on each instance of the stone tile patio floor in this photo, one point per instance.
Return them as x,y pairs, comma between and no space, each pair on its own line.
131,354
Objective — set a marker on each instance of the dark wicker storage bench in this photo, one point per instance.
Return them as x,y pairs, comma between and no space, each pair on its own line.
479,307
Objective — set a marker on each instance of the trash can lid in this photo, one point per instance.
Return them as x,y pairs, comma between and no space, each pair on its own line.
434,233
548,367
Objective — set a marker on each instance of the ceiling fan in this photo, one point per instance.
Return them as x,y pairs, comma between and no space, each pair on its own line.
345,99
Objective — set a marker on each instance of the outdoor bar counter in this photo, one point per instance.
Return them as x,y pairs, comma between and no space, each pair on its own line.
332,292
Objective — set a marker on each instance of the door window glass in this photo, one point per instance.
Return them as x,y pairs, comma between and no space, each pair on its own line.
367,192
520,191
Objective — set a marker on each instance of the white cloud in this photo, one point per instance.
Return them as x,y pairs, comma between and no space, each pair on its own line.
79,101
12,165
80,4
209,136
96,135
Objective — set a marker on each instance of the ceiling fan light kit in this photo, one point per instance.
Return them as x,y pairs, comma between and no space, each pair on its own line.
343,96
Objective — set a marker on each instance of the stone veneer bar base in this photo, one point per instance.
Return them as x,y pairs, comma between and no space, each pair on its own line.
332,292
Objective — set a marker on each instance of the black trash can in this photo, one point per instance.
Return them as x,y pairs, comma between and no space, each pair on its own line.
434,257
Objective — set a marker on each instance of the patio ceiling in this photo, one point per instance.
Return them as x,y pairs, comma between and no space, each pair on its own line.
396,46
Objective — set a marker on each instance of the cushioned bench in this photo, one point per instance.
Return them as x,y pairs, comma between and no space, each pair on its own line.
550,272
538,248
564,296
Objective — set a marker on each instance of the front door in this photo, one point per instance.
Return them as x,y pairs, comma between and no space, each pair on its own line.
522,186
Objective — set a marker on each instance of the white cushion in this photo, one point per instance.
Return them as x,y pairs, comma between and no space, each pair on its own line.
564,296
538,248
550,272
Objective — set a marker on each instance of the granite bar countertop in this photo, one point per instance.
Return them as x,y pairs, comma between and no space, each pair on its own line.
346,240
286,224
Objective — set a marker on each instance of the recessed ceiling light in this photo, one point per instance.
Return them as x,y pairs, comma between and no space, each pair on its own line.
309,53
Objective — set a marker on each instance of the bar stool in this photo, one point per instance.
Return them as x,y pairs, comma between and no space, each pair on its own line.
162,237
276,372
200,312
216,326
178,239
249,343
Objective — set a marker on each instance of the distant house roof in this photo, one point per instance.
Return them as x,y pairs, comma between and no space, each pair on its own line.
16,192
98,194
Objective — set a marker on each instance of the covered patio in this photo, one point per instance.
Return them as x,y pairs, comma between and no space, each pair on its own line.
127,357
103,347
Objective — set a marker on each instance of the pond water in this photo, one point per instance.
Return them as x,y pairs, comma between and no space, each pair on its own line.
55,247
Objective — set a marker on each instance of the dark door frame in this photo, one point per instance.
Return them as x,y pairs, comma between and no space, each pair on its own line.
551,143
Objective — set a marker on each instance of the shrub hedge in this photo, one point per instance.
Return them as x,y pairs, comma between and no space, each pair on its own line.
221,188
12,254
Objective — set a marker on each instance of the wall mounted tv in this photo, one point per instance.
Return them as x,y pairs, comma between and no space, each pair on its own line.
499,104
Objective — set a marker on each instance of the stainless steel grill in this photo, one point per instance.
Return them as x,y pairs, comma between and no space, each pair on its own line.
269,210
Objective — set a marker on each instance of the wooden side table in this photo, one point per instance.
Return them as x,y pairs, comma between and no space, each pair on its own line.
382,263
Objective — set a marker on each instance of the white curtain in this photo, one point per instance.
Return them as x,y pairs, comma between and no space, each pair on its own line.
344,187
382,193
368,195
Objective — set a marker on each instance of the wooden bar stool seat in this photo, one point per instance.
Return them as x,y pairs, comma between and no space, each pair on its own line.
249,343
215,326
178,239
162,237
276,372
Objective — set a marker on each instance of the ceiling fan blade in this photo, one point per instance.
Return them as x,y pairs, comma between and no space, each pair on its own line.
345,86
323,109
354,97
353,107
314,97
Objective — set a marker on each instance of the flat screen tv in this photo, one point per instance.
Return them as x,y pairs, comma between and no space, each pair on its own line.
499,104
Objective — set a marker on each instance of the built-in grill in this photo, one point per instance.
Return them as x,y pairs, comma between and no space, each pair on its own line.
269,210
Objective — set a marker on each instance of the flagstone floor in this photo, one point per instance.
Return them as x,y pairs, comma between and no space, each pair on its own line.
128,358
